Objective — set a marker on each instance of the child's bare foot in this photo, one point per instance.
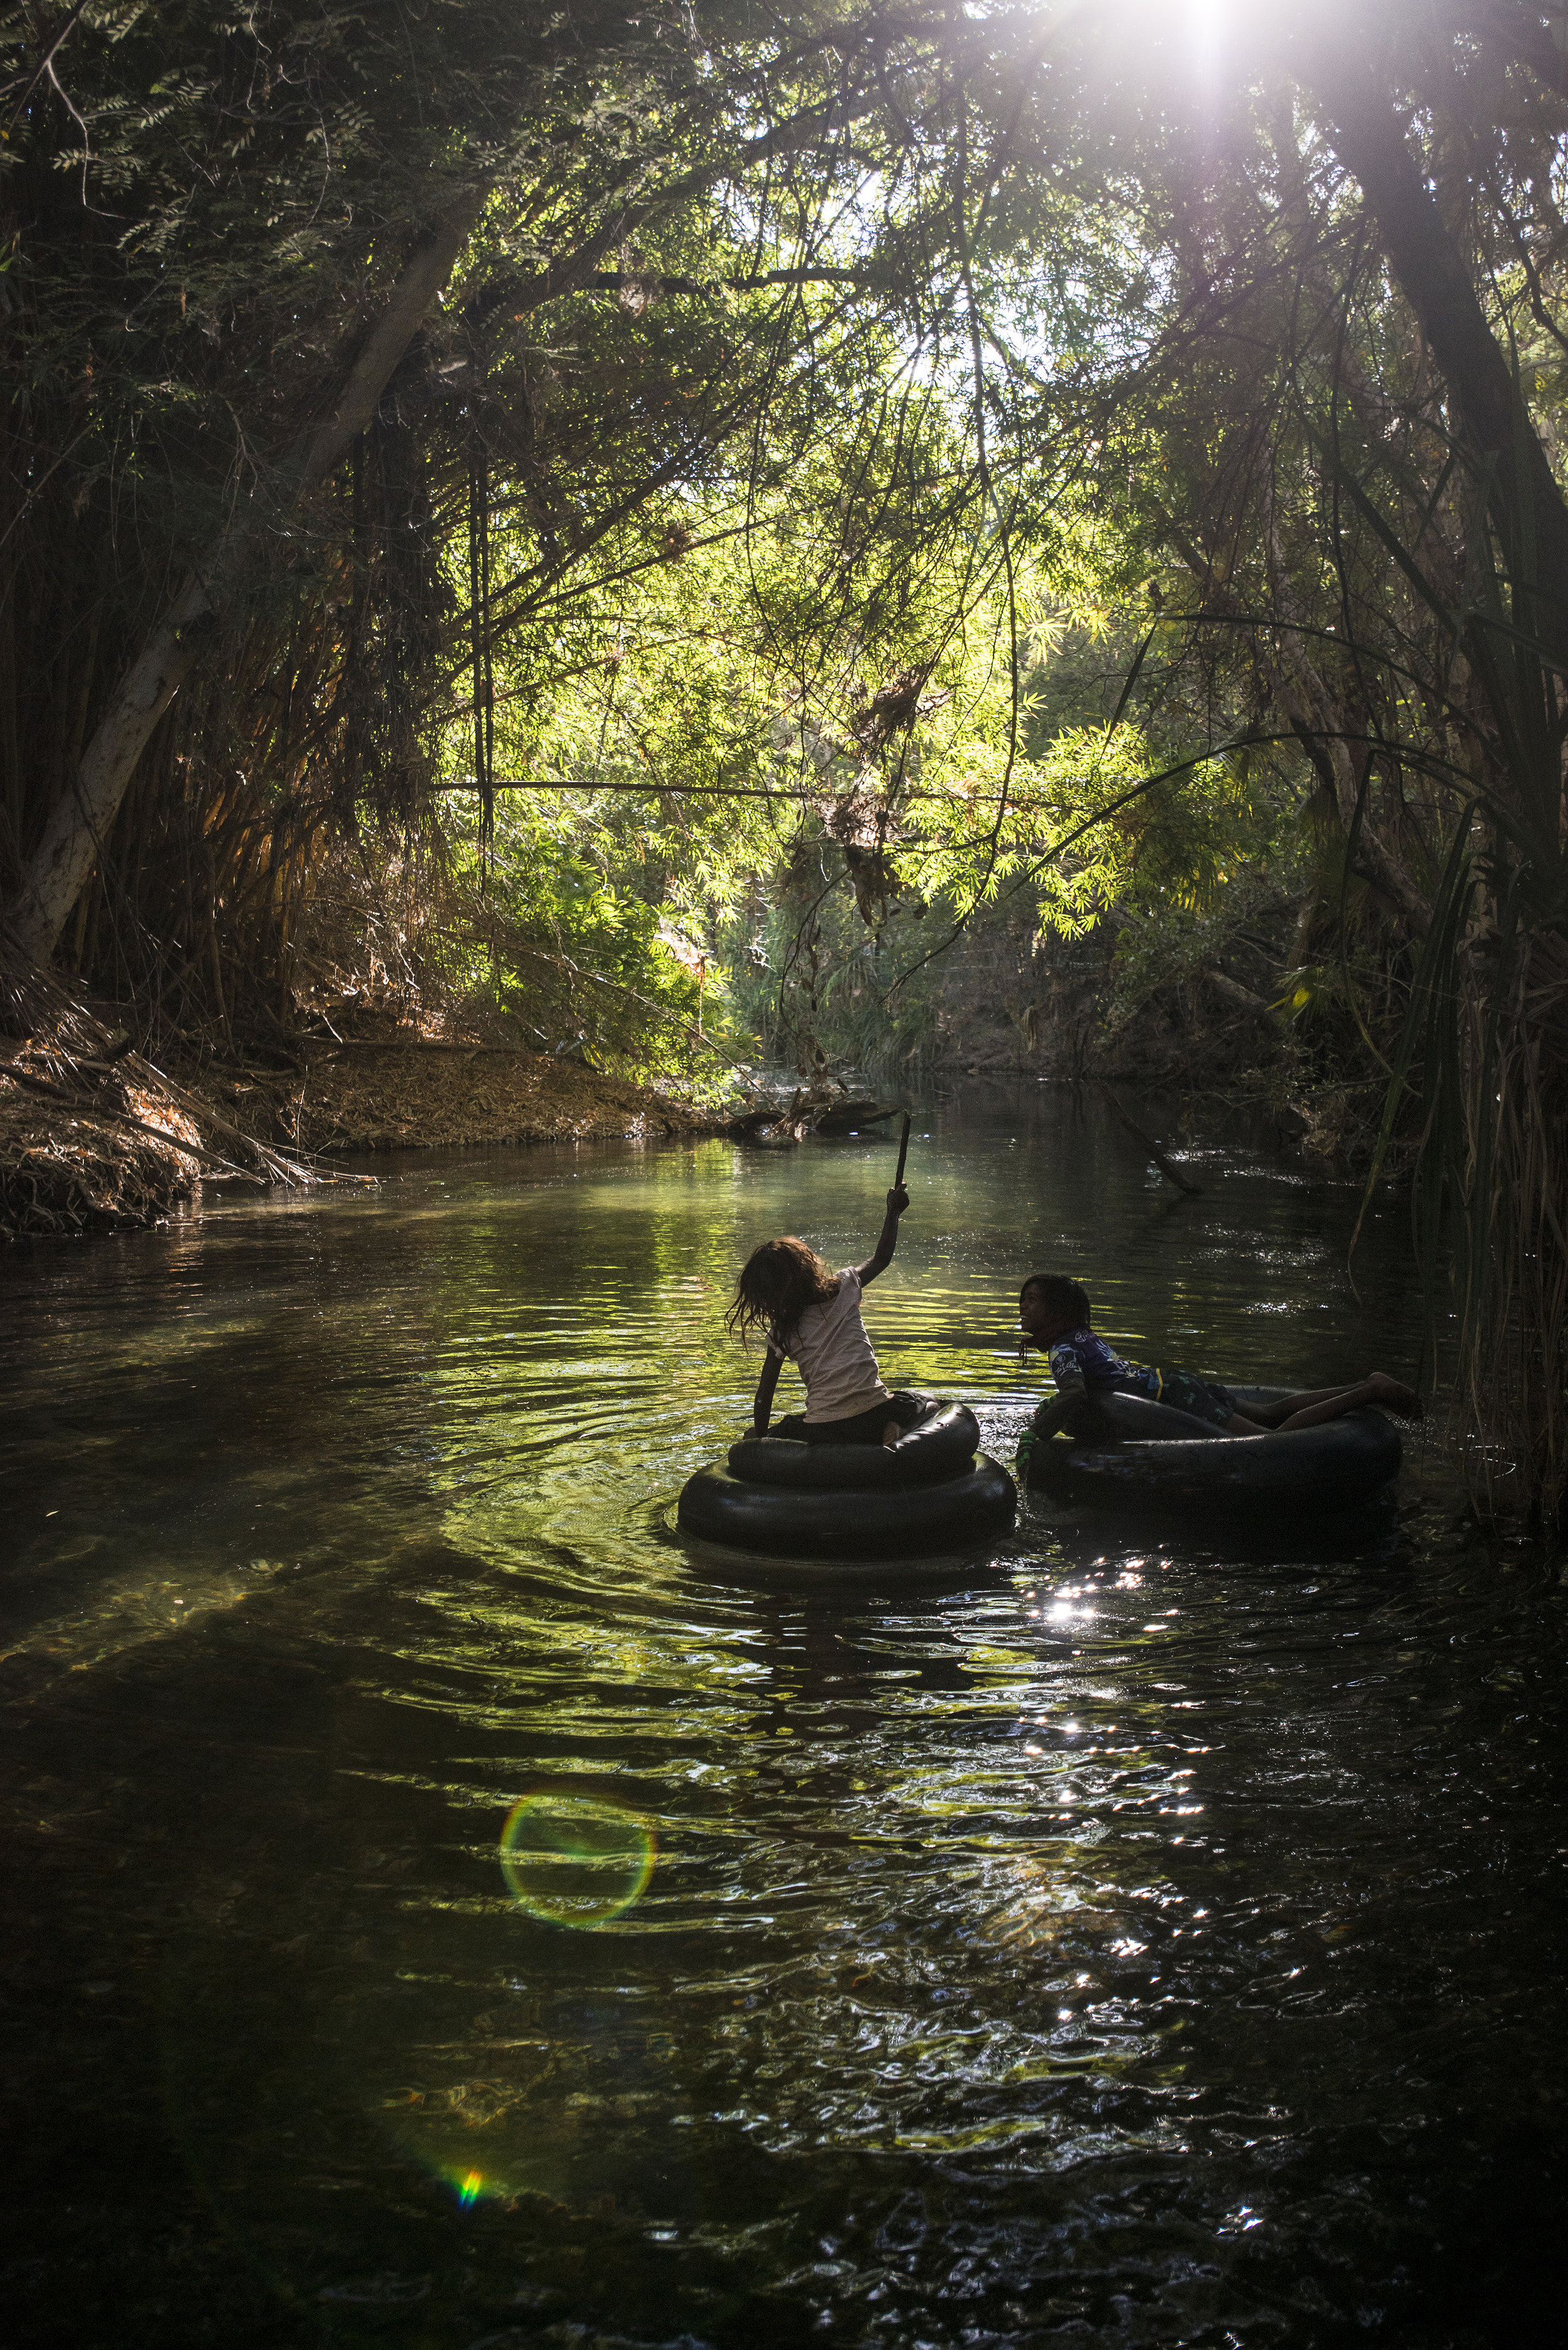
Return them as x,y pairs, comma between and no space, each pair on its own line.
1395,1394
892,1433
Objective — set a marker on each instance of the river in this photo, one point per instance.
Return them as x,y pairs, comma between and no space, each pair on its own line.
1116,1936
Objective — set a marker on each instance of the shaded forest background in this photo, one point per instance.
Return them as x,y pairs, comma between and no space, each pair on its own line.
698,535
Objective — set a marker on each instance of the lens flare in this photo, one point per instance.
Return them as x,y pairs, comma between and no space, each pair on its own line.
475,2164
576,1860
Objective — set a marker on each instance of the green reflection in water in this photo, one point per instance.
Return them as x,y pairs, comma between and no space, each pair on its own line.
576,1860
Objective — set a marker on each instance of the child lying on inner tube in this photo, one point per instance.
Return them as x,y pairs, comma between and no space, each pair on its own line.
1053,1314
813,1317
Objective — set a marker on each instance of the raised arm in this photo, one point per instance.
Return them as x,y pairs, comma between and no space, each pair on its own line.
881,1256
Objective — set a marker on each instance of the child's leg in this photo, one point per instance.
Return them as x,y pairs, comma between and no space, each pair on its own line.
1259,1418
904,1410
896,1412
1313,1406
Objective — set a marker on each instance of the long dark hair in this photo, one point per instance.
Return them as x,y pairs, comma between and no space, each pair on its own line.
777,1282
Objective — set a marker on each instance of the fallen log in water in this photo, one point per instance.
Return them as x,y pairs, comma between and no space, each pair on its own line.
842,1117
778,1124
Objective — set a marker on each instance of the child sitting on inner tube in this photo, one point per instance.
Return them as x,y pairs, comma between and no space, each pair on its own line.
813,1317
1053,1314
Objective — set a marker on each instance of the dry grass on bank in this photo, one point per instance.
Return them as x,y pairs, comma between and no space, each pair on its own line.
63,1173
94,1137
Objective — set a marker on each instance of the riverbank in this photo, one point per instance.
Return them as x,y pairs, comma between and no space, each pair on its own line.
94,1137
86,1144
401,1091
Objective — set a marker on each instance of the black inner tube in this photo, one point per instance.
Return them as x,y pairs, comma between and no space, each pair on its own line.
914,1522
1125,1451
941,1446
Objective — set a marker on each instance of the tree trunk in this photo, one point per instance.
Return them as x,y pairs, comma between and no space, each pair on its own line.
1527,505
74,837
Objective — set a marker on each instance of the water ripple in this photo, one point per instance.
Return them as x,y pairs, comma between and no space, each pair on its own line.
1109,1935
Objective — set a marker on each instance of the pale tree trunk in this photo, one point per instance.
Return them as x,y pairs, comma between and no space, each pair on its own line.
74,837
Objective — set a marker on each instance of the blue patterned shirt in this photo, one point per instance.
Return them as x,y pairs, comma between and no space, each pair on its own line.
1082,1360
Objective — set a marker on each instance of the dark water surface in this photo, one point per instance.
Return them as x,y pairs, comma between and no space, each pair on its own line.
1114,1938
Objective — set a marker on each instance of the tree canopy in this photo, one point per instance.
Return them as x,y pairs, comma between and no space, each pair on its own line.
711,487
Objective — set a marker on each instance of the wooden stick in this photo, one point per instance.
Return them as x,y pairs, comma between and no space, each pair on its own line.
903,1151
1182,1182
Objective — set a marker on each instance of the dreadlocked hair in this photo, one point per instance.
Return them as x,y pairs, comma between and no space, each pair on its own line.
1065,1297
777,1282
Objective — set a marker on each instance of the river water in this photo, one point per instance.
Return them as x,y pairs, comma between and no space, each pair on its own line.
1114,1936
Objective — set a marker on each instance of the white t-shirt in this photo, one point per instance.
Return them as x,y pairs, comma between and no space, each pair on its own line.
834,1356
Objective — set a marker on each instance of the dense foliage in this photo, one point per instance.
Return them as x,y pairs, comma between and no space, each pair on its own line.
707,508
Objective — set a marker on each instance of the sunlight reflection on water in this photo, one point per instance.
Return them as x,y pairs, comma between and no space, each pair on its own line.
531,1914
